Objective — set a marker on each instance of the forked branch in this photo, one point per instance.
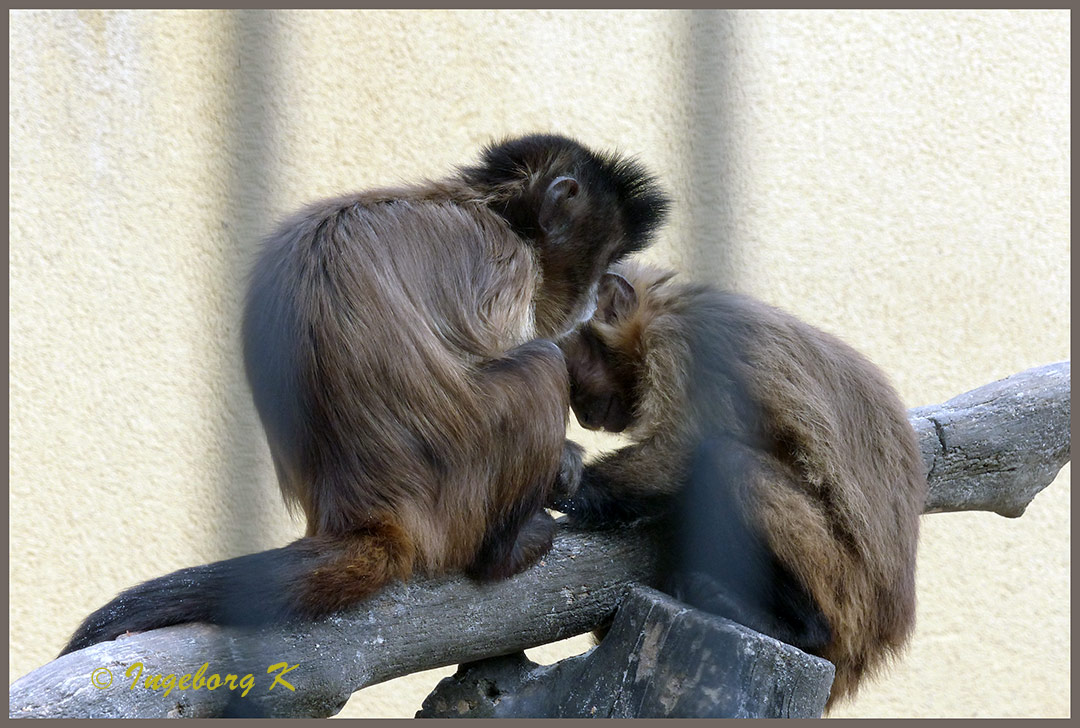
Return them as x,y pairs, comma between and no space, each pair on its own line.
993,448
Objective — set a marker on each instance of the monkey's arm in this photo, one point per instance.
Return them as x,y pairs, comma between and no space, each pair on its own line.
635,481
529,390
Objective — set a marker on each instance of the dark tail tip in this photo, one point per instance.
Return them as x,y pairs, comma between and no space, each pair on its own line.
255,590
248,590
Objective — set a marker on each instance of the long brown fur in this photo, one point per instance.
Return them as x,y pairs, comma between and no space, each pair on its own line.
398,344
833,479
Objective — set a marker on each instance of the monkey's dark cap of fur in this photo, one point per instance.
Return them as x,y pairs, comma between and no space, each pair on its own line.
625,181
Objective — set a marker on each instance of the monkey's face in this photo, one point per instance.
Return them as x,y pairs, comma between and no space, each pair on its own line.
580,210
594,214
601,384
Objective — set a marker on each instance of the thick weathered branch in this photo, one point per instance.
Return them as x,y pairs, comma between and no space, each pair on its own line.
991,449
406,628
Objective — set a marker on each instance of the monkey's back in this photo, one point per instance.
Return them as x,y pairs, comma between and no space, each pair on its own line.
841,486
365,319
848,435
833,420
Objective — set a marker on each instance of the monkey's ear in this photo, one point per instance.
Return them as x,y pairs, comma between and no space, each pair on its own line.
554,210
615,299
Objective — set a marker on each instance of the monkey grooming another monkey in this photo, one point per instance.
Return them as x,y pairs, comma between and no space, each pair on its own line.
398,345
781,459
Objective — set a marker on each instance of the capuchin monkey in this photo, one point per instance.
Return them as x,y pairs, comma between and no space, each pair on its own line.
781,459
399,348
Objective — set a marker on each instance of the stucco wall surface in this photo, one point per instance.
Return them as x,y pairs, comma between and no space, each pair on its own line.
900,179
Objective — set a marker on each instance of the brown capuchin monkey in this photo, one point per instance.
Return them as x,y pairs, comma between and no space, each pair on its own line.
782,459
399,348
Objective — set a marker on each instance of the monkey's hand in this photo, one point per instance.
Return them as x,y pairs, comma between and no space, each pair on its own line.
569,478
585,510
600,502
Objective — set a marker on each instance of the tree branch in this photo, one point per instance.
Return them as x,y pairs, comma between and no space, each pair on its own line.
992,449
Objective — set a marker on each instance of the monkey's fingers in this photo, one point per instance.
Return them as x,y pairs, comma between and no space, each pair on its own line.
571,467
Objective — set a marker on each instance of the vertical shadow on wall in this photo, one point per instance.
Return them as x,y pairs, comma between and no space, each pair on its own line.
251,90
720,562
249,150
712,117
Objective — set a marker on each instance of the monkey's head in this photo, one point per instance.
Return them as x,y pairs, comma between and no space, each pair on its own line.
580,210
604,363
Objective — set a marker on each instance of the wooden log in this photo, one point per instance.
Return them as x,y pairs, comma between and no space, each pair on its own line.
661,659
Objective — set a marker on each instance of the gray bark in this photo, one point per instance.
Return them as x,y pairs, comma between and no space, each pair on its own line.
406,628
991,449
994,448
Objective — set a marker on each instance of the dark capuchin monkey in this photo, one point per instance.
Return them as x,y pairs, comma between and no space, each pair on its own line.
781,459
399,348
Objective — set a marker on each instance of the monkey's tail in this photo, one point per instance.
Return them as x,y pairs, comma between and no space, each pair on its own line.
310,577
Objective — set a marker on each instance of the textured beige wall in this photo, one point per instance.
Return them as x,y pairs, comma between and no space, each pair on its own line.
900,179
